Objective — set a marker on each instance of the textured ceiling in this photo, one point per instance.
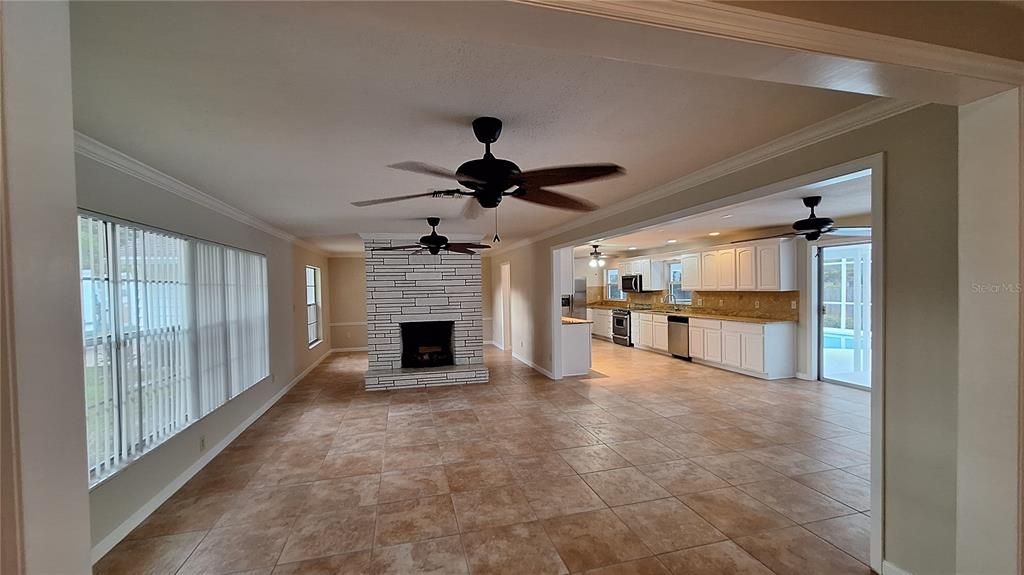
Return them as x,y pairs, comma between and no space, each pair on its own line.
291,111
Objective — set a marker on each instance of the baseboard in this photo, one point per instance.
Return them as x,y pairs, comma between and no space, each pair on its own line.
347,349
804,376
133,521
522,359
890,569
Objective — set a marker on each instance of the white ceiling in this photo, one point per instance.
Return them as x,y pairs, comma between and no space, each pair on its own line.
841,198
290,111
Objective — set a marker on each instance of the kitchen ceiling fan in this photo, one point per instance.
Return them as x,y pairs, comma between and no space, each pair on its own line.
435,242
596,257
813,227
490,179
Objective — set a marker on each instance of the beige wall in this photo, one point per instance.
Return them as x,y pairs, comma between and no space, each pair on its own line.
348,302
487,298
920,303
306,356
993,28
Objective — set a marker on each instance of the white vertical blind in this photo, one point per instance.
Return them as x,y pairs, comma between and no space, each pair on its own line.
172,327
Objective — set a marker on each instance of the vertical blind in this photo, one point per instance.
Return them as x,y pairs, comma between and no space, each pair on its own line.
172,329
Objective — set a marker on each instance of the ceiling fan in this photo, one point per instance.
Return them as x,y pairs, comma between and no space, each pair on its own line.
813,227
596,257
435,242
490,179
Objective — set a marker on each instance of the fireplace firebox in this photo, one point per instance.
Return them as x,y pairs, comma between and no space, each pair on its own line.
427,344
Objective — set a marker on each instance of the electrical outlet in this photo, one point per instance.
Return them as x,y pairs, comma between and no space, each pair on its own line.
202,443
757,304
721,303
792,304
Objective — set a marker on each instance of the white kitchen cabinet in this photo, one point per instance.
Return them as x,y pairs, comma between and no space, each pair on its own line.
658,275
732,354
646,330
713,345
634,328
776,265
602,319
709,270
752,352
726,265
661,335
696,342
690,279
746,268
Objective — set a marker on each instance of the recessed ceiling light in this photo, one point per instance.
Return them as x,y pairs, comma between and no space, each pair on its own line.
726,216
671,241
631,248
714,233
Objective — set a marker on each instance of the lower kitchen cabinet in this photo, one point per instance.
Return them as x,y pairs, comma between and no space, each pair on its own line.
602,319
661,333
767,351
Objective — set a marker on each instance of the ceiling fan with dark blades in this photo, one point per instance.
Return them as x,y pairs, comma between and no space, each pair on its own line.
435,242
813,227
490,179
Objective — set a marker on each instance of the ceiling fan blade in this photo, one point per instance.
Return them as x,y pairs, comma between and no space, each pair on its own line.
470,246
787,234
553,199
393,248
431,170
459,249
472,209
366,203
561,175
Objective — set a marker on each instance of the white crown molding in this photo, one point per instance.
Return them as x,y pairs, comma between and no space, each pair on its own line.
467,237
104,154
747,25
863,115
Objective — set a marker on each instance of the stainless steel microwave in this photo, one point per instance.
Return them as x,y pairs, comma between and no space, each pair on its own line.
633,283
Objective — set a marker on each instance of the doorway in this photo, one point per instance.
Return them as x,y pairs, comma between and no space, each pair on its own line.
844,307
506,305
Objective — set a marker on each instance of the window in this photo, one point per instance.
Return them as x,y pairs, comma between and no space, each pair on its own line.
675,275
172,329
614,288
313,306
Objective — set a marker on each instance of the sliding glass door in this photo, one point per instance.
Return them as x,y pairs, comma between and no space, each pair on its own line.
845,308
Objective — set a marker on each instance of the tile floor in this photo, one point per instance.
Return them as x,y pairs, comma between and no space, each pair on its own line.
648,465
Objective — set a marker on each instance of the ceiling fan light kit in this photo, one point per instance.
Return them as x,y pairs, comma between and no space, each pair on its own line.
596,258
489,179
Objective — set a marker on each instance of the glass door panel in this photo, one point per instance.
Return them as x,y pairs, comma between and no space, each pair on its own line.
845,308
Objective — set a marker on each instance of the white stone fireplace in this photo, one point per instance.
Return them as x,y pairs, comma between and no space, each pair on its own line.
433,304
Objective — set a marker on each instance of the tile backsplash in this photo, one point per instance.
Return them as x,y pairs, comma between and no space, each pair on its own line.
781,305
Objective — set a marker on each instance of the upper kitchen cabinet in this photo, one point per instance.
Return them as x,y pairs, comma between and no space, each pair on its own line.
755,266
709,270
690,276
775,265
746,268
653,273
726,269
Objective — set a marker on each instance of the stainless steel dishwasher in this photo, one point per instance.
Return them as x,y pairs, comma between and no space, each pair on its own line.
679,336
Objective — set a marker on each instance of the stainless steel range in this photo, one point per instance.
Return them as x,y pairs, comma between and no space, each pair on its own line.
620,327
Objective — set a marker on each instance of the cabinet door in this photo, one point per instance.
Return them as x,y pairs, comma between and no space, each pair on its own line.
713,345
768,262
746,265
726,269
690,264
697,342
709,270
646,333
659,271
661,336
731,352
753,352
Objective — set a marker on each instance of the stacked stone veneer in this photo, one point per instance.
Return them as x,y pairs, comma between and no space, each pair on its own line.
402,287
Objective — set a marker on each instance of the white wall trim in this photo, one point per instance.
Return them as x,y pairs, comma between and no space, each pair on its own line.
522,359
345,323
135,519
764,28
891,569
864,115
104,154
349,349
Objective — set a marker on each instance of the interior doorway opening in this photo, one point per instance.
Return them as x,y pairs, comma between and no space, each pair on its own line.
844,307
506,306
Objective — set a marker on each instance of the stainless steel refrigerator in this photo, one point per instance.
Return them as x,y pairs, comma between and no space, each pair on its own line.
579,298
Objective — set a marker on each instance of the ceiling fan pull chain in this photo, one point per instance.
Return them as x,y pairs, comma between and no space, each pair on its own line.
496,238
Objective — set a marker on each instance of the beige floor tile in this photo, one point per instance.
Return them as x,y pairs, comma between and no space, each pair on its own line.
270,504
415,520
480,474
491,507
645,566
443,555
736,468
796,551
357,563
844,487
456,451
862,471
184,514
593,539
786,461
692,444
153,556
619,431
345,442
396,458
735,513
237,548
725,558
682,477
561,496
350,464
624,486
330,494
413,483
330,533
644,451
667,525
538,466
851,533
794,500
832,453
592,458
512,550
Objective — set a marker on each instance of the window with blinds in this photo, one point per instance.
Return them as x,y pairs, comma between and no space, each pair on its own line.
172,327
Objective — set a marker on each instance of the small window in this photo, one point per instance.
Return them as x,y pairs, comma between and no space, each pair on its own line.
679,295
614,288
313,303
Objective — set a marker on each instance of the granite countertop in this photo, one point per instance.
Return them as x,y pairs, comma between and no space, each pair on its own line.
574,321
696,314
